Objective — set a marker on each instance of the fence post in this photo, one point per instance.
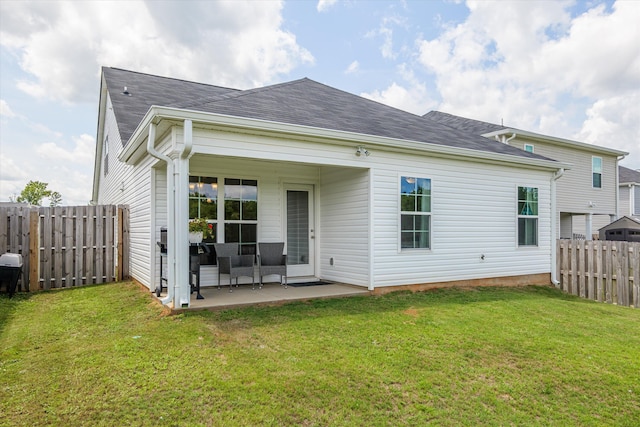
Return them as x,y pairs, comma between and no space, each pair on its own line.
34,250
119,244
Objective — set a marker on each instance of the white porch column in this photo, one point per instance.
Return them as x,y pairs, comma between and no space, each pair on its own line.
183,288
588,226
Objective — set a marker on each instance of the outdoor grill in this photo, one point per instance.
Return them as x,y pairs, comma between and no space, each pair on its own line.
10,269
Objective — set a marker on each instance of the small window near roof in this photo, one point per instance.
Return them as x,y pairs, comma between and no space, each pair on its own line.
528,147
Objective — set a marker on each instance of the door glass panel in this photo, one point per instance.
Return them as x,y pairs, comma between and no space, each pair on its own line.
297,227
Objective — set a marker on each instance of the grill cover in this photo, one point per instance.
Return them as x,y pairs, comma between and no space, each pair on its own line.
11,260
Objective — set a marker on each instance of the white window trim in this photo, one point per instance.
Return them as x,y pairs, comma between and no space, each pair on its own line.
220,221
518,216
529,145
601,172
400,212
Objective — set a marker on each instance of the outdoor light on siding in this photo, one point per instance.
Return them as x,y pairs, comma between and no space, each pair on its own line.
360,150
126,91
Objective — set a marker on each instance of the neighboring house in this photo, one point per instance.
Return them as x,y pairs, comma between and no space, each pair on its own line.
360,192
587,192
629,192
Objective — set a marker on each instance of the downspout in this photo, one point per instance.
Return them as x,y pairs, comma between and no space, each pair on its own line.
554,225
502,138
183,288
513,135
171,255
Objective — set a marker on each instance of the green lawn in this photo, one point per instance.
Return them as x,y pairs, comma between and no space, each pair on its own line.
109,355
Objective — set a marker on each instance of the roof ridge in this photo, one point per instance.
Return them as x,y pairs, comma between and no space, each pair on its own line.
169,78
237,94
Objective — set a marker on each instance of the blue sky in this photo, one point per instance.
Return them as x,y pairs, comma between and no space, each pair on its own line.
564,68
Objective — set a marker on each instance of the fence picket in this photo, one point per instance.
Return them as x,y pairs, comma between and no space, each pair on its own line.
58,251
610,270
65,246
590,270
581,269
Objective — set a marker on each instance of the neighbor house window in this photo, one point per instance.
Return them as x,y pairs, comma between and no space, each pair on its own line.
528,147
241,213
415,212
596,171
527,216
203,203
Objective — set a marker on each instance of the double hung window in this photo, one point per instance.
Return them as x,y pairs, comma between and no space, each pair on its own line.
527,216
596,172
415,213
241,213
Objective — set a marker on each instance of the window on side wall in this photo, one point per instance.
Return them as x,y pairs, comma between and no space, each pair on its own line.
527,216
596,172
105,149
203,203
415,213
528,148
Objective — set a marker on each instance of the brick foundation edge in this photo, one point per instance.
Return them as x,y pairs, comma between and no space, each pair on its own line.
542,279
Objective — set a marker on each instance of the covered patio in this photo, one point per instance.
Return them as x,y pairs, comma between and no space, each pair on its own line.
270,294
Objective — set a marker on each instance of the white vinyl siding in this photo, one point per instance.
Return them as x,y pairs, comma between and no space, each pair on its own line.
344,225
636,200
472,216
574,188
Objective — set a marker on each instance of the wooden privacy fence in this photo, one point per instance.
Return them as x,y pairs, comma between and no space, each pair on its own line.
67,246
604,271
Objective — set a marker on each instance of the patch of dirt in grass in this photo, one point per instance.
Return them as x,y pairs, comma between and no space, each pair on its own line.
412,312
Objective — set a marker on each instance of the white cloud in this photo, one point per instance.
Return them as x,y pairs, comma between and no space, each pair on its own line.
82,152
352,68
63,44
413,96
324,5
614,122
5,110
533,65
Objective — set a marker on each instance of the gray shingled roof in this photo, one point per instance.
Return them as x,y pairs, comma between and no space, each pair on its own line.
475,127
627,175
301,102
147,90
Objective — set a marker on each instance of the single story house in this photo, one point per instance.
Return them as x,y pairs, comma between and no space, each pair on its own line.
587,193
360,192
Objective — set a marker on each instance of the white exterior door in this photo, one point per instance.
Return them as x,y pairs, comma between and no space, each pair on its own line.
299,226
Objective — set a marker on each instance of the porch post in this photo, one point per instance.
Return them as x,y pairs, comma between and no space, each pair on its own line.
588,226
183,287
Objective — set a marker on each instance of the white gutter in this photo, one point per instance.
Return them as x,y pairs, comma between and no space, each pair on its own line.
337,137
183,287
557,141
554,225
171,229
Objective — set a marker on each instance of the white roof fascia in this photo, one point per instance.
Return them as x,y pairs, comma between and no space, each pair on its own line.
156,114
97,166
558,141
